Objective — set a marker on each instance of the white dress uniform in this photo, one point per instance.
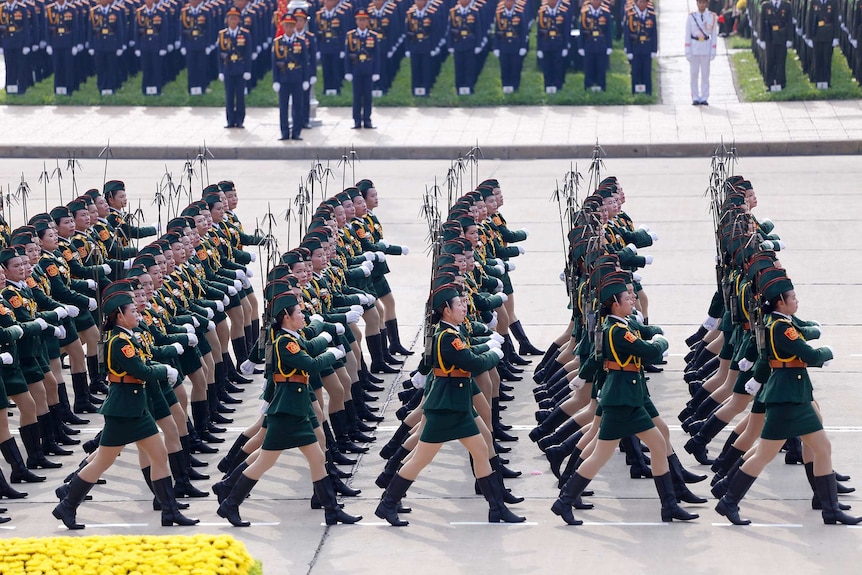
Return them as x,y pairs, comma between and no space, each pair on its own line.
701,36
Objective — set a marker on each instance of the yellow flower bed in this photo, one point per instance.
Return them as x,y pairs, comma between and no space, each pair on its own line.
125,555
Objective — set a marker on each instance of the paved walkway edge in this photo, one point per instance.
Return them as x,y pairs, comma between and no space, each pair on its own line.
528,152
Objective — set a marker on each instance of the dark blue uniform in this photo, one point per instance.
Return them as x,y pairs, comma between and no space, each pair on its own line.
424,31
151,35
197,34
290,69
234,64
595,40
510,42
641,42
16,31
387,25
363,62
553,30
311,42
822,28
63,33
465,42
107,38
331,30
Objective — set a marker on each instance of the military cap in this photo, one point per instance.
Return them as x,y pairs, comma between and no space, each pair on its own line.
178,224
466,222
486,191
774,282
41,224
145,259
283,301
292,257
112,187
311,244
611,287
361,13
171,238
288,19
76,206
450,231
300,13
40,217
443,294
92,193
88,201
136,271
191,211
118,287
116,301
442,278
233,12
59,213
227,186
352,192
453,247
491,182
9,253
445,259
279,272
364,185
23,236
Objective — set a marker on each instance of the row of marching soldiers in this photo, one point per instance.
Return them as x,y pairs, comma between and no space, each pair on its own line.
591,383
814,28
751,357
67,274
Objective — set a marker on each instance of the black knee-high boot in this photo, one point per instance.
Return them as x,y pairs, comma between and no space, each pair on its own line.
97,378
164,490
492,489
56,417
395,442
547,427
670,508
226,463
639,468
721,462
562,433
697,444
552,352
183,486
200,415
737,487
67,509
83,401
67,415
827,489
525,347
569,494
229,508
20,472
499,469
696,336
333,513
378,361
7,491
388,507
240,350
499,433
395,346
681,490
31,438
816,504
556,454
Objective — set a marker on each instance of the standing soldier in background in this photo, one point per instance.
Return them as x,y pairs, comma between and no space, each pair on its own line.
15,27
330,42
553,32
234,67
821,35
776,27
249,21
362,68
290,77
310,40
510,43
701,37
151,38
63,29
423,33
641,45
383,19
595,44
196,29
107,40
465,43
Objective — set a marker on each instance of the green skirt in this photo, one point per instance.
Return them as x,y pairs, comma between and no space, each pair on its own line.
786,420
445,425
4,399
71,330
285,431
13,380
125,430
157,402
618,421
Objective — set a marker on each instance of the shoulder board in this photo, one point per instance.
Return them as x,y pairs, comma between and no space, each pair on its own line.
124,335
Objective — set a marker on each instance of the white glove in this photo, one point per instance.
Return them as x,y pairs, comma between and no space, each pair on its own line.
92,52
173,374
246,367
231,290
407,54
305,86
500,268
246,283
369,256
853,42
581,52
60,332
493,344
384,243
341,55
745,365
639,316
362,299
72,310
326,336
240,275
521,251
381,257
451,50
357,308
315,316
499,287
183,51
254,56
353,317
418,380
42,323
504,297
788,44
221,77
195,322
193,339
246,76
539,54
127,265
75,50
405,250
164,52
107,269
526,232
522,52
637,277
6,358
653,55
577,383
496,53
91,304
828,361
648,260
17,331
809,42
211,326
510,266
276,86
633,248
179,347
375,77
497,337
752,386
219,306
190,329
336,353
119,52
339,329
366,268
762,44
710,323
562,276
348,77
630,56
208,50
210,313
50,50
643,227
237,285
654,236
25,50
61,312
498,352
835,42
658,338
493,323
477,49
92,285
225,301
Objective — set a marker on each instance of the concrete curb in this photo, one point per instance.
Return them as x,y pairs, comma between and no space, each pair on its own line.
527,152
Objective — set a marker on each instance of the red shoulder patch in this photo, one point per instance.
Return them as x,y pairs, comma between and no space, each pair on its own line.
630,337
458,344
104,235
361,233
31,282
293,347
16,302
68,255
52,270
128,351
791,333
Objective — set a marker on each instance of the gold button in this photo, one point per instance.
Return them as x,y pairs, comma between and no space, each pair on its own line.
299,390
799,376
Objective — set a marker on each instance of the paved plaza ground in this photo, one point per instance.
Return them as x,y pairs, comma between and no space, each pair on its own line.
815,205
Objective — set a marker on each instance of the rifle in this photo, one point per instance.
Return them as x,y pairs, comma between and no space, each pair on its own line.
45,179
58,173
73,164
22,195
108,153
431,213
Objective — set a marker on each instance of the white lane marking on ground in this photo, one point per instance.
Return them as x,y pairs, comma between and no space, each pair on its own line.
109,525
460,523
783,525
227,524
625,524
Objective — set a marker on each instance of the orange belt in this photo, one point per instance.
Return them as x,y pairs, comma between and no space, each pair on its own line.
746,326
278,378
454,373
124,379
614,366
776,364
